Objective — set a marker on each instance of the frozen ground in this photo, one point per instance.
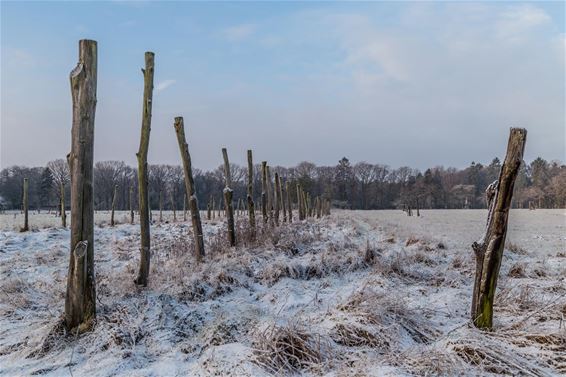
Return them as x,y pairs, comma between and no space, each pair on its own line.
358,293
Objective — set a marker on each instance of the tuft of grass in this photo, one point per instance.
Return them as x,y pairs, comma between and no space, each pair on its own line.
288,349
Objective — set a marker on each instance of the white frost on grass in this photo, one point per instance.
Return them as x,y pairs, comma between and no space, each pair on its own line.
374,293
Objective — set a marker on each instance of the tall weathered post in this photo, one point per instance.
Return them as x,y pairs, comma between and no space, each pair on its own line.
25,228
489,250
113,204
80,299
289,202
264,191
228,206
63,211
190,188
143,191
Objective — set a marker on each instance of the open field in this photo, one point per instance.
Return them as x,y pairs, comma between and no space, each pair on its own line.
356,293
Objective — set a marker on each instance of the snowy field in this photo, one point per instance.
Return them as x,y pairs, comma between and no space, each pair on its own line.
358,293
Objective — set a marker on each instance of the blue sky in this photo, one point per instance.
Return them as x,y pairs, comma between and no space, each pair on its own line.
418,84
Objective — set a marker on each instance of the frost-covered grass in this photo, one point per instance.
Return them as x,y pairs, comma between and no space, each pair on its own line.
358,293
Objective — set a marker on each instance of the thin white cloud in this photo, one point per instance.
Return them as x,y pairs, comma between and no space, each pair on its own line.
519,19
239,32
162,85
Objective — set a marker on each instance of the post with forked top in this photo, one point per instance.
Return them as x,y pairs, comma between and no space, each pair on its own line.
190,188
228,193
80,299
489,250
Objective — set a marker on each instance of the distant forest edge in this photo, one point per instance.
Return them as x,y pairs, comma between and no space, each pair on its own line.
540,184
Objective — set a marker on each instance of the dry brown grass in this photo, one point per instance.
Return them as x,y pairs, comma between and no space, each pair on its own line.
289,349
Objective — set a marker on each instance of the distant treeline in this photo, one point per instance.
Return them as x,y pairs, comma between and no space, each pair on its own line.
540,184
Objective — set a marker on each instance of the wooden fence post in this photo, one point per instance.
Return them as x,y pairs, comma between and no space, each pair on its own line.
489,250
250,197
113,204
264,191
25,228
190,188
63,211
289,201
143,192
131,203
277,198
80,299
228,205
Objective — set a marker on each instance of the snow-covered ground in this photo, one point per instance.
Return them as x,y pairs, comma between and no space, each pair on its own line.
357,293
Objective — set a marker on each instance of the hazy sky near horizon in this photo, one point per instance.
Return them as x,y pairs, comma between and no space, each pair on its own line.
416,84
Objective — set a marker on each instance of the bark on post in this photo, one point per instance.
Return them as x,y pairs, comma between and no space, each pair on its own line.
80,300
113,204
264,191
489,250
190,188
209,209
289,202
131,203
25,228
228,199
143,192
277,198
63,211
